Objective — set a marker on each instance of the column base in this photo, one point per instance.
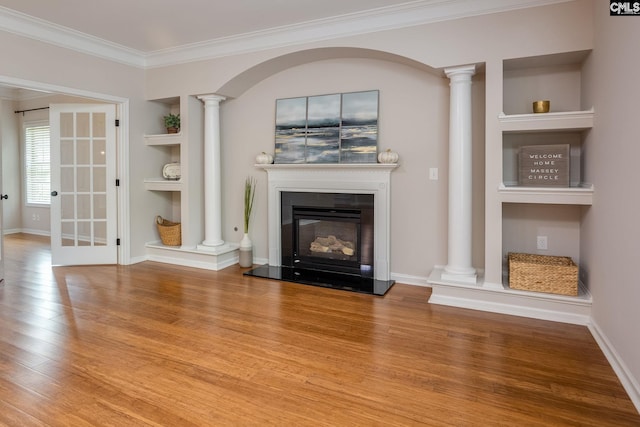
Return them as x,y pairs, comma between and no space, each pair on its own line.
211,244
217,250
459,275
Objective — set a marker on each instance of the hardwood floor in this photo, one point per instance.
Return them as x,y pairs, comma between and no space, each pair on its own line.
158,345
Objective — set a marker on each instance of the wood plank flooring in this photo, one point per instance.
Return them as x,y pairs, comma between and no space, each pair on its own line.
158,345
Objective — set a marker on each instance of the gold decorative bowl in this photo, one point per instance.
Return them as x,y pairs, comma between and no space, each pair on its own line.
541,106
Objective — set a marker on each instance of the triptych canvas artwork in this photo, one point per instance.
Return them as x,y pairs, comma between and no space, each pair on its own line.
336,128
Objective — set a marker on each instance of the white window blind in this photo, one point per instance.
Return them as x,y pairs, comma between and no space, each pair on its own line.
37,165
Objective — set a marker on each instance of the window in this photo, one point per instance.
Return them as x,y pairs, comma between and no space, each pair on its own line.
37,164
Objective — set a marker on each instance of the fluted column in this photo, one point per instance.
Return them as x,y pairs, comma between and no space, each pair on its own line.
459,267
212,172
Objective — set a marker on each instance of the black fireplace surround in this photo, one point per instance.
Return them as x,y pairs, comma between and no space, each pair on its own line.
327,239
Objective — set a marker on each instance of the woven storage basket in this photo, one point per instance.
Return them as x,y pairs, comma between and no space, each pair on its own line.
170,232
543,273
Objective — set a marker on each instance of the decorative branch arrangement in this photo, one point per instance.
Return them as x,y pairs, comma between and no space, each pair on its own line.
249,196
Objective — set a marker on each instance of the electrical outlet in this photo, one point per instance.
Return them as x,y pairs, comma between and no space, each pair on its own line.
542,243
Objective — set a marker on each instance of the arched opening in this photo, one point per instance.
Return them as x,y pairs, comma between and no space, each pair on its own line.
252,76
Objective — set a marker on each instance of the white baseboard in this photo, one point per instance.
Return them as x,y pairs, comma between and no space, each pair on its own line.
625,376
27,231
11,231
410,280
136,260
260,261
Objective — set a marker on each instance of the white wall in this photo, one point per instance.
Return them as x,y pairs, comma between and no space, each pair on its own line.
611,229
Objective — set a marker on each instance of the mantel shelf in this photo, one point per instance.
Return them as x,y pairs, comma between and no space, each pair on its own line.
561,121
335,166
160,184
582,195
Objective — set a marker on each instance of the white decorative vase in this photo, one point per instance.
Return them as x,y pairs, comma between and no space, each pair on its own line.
246,251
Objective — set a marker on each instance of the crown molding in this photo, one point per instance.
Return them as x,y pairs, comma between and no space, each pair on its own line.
28,26
386,18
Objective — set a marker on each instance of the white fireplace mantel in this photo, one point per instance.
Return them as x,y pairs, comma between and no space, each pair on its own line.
357,178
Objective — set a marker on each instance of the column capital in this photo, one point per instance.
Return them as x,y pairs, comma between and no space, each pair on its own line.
463,70
211,98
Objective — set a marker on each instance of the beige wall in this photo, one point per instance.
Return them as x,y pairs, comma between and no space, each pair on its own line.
11,186
611,228
409,94
411,122
76,73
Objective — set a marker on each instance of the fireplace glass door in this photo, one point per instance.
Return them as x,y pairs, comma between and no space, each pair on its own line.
327,239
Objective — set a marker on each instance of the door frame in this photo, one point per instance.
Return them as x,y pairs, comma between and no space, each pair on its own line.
122,151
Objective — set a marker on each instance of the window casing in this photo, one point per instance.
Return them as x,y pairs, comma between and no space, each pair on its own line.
37,163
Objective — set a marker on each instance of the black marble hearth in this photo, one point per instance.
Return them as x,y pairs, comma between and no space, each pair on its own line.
324,279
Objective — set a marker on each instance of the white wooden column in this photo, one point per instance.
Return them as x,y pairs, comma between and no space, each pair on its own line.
459,267
212,172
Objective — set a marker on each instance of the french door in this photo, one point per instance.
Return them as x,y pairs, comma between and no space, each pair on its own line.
2,197
83,184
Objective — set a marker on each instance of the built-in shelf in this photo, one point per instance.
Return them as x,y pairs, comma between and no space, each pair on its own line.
160,184
546,122
582,195
163,139
500,298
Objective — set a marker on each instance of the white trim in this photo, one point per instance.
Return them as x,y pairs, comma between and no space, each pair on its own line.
510,309
625,376
407,279
122,173
122,107
11,231
497,299
191,257
385,18
34,232
381,19
363,178
34,28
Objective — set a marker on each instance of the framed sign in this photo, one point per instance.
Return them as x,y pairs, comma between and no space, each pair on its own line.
544,165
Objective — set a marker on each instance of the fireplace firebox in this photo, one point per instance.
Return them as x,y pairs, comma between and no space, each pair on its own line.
328,239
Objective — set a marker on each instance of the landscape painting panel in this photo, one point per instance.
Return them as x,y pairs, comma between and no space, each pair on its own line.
359,134
291,127
323,129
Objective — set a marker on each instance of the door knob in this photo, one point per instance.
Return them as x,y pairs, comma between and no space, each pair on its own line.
4,196
54,193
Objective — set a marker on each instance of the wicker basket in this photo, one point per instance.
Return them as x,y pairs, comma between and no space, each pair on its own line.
543,273
170,232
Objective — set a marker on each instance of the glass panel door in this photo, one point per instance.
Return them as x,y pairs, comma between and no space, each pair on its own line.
83,203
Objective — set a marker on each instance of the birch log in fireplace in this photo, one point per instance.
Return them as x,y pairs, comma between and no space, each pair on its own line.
342,207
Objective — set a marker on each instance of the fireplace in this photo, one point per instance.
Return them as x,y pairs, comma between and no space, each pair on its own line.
329,232
329,226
